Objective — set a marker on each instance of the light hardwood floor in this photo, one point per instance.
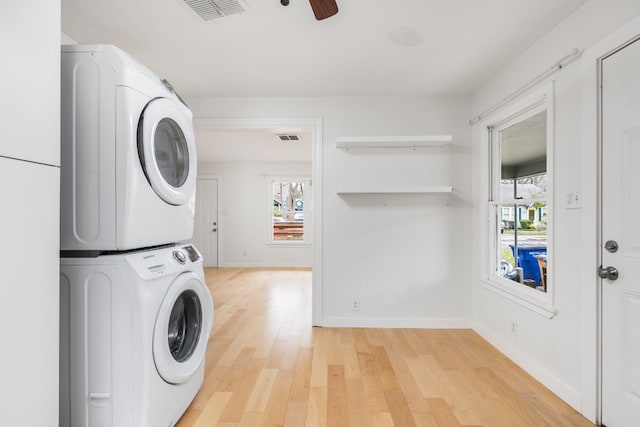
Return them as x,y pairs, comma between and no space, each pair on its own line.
266,366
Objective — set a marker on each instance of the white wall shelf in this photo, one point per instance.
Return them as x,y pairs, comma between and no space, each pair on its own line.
398,190
348,142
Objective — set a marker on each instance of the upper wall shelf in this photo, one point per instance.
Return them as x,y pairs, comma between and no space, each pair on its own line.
348,142
397,190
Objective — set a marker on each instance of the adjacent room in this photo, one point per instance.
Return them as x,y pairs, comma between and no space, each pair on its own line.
320,213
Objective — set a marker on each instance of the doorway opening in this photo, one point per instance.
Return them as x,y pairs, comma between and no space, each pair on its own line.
312,128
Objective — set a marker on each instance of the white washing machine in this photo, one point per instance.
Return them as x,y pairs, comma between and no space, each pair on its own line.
133,334
128,159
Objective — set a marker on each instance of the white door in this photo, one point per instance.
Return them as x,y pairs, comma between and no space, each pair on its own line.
205,230
621,224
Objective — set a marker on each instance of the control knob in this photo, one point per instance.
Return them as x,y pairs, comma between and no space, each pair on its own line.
180,256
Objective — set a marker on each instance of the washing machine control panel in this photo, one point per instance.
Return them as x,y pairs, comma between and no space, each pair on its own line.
179,256
162,262
193,253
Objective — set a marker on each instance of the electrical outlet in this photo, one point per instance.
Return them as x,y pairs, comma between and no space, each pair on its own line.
355,304
514,328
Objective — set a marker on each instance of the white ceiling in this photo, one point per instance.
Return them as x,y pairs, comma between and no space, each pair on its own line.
283,51
441,47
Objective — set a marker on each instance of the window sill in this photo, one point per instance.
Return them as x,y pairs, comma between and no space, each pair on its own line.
523,297
289,245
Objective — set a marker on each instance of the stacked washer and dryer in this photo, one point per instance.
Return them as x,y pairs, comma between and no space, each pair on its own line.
135,312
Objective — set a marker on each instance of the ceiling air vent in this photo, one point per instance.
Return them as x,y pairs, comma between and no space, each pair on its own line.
287,137
214,9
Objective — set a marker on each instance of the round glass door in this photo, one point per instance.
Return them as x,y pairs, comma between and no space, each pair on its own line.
171,152
185,323
167,151
182,328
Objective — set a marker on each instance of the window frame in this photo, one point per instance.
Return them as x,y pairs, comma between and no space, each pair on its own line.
307,235
515,112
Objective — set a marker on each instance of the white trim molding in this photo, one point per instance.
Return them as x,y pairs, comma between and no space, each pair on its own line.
391,322
540,99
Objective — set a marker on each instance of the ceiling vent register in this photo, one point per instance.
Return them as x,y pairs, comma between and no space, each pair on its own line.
213,9
287,137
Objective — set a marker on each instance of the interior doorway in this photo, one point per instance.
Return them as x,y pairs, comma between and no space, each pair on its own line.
314,127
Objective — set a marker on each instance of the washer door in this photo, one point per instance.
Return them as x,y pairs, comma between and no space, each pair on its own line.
182,328
167,150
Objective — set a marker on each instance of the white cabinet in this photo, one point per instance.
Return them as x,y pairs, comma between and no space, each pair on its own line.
30,76
29,293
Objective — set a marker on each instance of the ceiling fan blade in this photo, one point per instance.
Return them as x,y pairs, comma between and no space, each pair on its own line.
323,9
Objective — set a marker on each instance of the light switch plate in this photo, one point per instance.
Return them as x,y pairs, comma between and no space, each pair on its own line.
573,199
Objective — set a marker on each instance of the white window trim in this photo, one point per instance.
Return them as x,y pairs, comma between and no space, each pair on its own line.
307,210
539,302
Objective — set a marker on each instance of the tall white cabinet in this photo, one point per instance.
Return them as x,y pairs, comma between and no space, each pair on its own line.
29,212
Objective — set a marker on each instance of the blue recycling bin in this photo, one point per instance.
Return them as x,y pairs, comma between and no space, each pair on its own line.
527,259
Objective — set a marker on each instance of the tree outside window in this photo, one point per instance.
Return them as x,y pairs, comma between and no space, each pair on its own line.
288,209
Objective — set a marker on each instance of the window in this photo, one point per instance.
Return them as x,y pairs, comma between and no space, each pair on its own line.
518,212
289,211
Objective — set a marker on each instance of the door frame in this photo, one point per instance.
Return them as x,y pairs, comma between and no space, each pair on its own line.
219,256
315,124
592,221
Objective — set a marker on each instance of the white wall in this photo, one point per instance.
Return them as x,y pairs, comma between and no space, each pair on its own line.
404,257
552,349
243,203
29,217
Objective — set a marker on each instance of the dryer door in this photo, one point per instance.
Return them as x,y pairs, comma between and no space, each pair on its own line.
167,150
182,328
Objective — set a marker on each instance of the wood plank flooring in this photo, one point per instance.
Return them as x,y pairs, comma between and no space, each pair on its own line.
266,366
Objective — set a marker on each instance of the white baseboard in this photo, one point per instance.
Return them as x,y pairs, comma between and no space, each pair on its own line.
565,392
233,264
386,322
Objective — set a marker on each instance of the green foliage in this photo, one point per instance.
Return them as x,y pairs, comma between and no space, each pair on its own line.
507,255
526,224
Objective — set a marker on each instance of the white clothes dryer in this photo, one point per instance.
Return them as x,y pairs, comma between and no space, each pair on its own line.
128,159
133,334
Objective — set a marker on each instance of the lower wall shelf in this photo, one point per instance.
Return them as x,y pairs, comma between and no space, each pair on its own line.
407,190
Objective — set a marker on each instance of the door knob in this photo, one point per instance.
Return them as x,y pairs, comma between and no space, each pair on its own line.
610,273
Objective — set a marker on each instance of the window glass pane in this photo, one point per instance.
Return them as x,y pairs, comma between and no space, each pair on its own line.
522,243
288,211
523,159
531,187
519,165
185,323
